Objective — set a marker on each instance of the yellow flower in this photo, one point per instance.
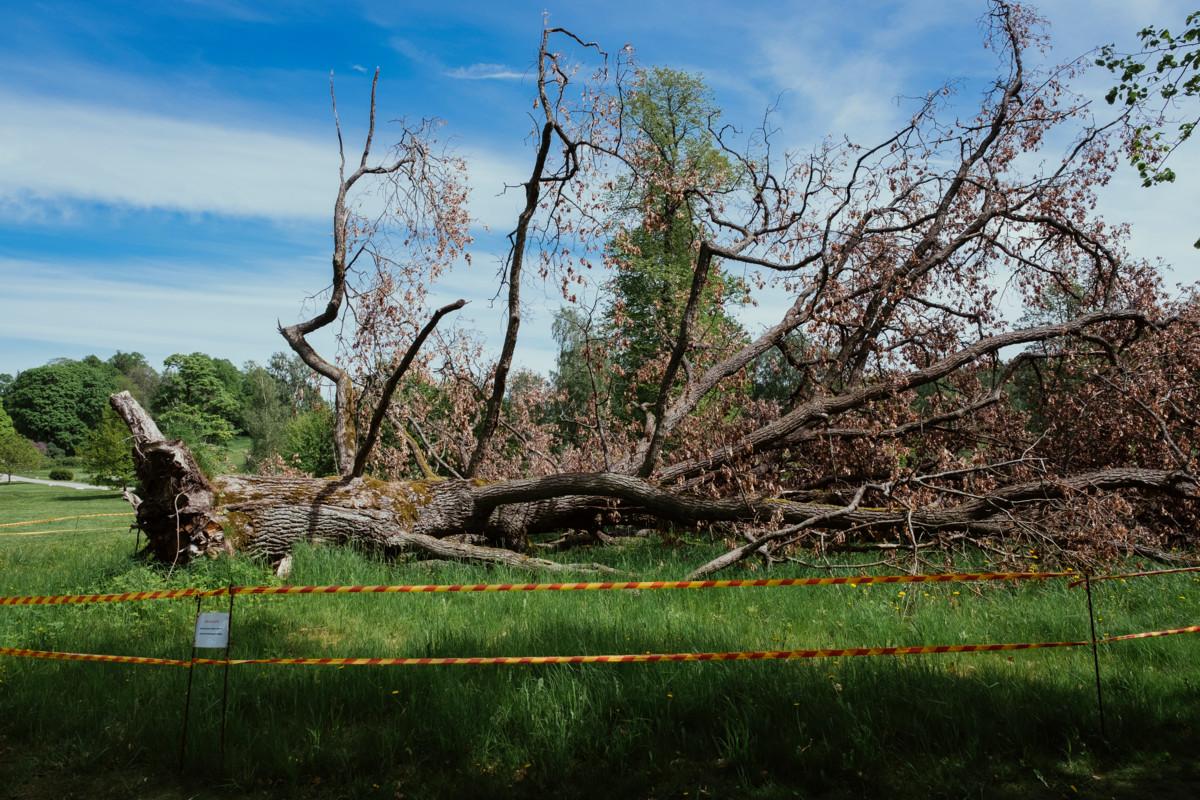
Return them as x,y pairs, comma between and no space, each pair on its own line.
900,594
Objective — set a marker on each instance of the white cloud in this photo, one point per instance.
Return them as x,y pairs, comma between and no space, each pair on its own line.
160,307
491,204
51,149
163,309
53,152
483,72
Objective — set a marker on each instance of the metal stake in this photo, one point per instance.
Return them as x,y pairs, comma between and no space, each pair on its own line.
225,690
1087,583
187,703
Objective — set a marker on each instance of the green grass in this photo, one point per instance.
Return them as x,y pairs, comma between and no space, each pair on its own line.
236,453
1020,724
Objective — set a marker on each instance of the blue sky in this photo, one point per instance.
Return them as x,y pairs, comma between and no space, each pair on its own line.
167,169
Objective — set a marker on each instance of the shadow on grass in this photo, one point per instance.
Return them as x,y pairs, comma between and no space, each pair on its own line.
984,725
85,495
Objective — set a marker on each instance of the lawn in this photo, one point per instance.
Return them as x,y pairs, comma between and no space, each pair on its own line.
1019,724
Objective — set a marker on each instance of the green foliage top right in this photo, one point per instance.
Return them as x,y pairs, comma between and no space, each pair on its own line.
1153,83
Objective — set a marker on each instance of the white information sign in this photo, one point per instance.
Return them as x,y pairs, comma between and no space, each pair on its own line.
212,629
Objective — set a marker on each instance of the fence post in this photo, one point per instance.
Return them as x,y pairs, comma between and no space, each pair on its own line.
187,703
225,689
1087,584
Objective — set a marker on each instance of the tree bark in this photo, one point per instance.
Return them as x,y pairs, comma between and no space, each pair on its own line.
185,515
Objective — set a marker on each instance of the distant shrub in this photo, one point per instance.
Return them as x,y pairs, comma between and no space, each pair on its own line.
61,475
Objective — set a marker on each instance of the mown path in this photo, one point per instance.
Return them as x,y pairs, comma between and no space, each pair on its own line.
61,484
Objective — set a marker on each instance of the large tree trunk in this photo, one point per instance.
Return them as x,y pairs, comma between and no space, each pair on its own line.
185,515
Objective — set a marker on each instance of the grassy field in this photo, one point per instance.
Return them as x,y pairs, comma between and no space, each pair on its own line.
1021,724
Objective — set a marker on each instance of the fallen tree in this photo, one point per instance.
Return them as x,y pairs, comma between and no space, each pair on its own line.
903,415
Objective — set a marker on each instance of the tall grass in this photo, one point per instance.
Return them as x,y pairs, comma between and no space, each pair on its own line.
1015,724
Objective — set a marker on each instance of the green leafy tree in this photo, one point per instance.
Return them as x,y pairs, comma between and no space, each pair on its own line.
781,374
271,397
207,435
669,115
199,401
135,375
201,384
581,375
107,452
308,442
295,379
58,403
16,452
266,411
1159,84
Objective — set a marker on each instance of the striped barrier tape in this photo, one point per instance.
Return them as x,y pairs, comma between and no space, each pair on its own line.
638,658
20,652
1151,634
466,588
647,658
1124,575
72,531
956,577
81,599
65,519
859,580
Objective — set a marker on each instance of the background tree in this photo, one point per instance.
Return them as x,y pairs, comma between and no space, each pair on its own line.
136,375
60,402
669,117
307,443
582,376
266,411
16,452
198,386
1158,84
107,452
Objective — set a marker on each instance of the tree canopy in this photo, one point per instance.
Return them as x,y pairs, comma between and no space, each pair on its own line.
60,402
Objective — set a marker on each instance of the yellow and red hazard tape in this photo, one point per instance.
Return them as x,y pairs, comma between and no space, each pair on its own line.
626,585
79,599
64,519
465,588
1151,634
21,652
1122,576
635,658
72,531
858,580
644,658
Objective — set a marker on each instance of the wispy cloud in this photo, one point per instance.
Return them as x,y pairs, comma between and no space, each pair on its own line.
161,308
164,306
415,53
485,72
51,150
472,72
55,154
230,9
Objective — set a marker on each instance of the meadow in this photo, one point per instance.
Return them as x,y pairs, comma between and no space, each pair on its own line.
999,725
